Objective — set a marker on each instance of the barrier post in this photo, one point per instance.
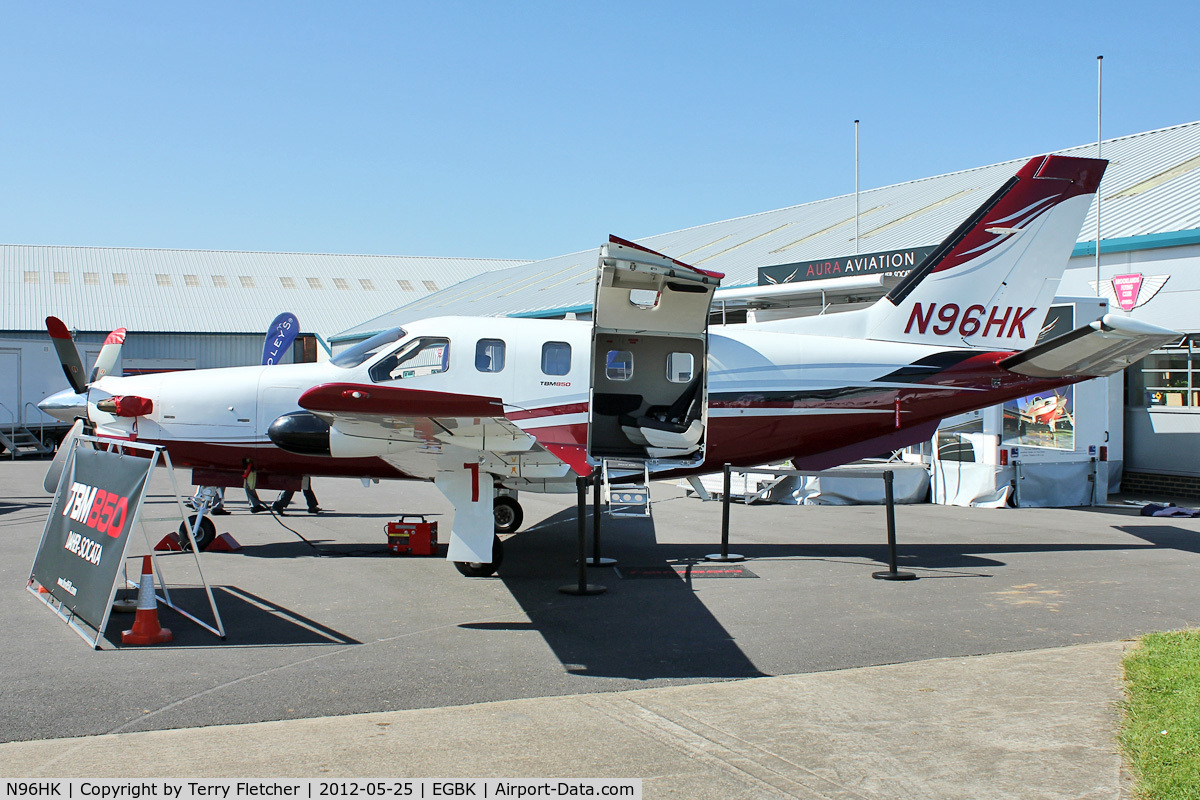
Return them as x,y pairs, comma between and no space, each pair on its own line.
582,588
892,574
725,555
596,560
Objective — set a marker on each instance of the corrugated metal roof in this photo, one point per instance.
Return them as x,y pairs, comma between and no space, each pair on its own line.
195,291
1161,165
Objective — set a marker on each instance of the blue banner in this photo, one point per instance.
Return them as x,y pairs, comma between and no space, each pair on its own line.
280,336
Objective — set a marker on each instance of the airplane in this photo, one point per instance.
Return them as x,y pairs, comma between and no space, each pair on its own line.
1048,411
489,407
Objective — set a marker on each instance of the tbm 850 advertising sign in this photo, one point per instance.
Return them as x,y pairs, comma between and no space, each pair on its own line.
89,522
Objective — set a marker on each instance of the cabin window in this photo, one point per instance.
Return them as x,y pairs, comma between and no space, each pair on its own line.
680,367
489,355
644,298
618,366
420,357
556,358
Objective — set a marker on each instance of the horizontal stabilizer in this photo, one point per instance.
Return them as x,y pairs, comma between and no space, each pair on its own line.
1107,345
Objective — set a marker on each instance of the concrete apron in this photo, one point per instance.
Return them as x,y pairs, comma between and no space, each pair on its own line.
1040,723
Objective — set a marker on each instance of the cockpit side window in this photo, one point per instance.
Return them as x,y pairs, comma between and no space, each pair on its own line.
363,351
424,356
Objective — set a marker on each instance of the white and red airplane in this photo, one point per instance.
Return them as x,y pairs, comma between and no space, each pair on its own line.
1048,411
490,407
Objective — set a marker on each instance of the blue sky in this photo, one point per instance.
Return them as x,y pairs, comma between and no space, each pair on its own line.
531,129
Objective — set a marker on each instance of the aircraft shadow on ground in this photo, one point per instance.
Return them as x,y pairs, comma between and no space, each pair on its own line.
1168,537
320,548
249,621
645,629
648,629
11,504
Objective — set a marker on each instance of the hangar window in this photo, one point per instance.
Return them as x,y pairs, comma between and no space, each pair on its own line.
62,277
32,277
341,283
91,278
556,358
1170,376
219,281
424,356
191,280
288,283
247,281
430,285
120,279
405,286
489,355
162,279
314,283
366,284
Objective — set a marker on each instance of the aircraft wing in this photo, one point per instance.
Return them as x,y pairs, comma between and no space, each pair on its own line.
468,436
383,415
1107,345
414,416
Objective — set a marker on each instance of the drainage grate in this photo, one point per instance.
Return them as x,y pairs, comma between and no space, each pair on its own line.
686,572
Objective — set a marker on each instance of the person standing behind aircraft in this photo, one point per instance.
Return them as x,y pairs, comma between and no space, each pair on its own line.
285,497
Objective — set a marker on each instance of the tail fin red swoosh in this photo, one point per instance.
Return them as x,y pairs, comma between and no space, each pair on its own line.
990,282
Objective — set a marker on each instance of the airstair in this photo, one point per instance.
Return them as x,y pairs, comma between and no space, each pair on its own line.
631,496
18,441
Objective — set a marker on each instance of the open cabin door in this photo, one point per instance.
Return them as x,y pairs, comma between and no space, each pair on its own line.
649,357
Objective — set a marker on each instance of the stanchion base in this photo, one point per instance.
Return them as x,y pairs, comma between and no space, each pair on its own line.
582,591
888,575
601,562
732,557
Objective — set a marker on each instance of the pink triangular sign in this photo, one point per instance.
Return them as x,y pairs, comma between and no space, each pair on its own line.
1126,288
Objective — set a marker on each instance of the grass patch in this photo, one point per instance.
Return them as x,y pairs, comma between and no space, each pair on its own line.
1161,728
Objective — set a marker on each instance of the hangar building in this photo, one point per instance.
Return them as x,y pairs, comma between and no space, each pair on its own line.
188,309
832,259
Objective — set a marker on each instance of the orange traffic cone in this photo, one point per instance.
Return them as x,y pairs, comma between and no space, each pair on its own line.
146,629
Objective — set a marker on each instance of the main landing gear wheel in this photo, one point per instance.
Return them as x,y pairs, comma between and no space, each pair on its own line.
482,569
508,514
204,536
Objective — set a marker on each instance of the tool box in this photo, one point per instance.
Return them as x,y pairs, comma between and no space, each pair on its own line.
412,535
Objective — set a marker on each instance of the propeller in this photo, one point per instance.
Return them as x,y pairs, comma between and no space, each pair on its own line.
54,474
68,354
71,404
109,353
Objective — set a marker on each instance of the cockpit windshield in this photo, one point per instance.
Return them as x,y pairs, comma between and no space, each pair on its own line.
364,350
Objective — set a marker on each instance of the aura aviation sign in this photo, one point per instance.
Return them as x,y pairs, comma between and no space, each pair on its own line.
896,263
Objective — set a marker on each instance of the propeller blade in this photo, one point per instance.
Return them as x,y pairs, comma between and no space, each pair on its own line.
68,356
109,354
54,474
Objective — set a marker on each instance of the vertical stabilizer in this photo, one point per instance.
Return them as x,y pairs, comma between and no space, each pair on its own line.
991,281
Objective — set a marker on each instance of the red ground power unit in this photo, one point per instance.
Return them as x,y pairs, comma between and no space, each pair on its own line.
412,535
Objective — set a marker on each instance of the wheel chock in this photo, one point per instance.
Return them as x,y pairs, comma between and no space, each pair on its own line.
223,544
169,543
